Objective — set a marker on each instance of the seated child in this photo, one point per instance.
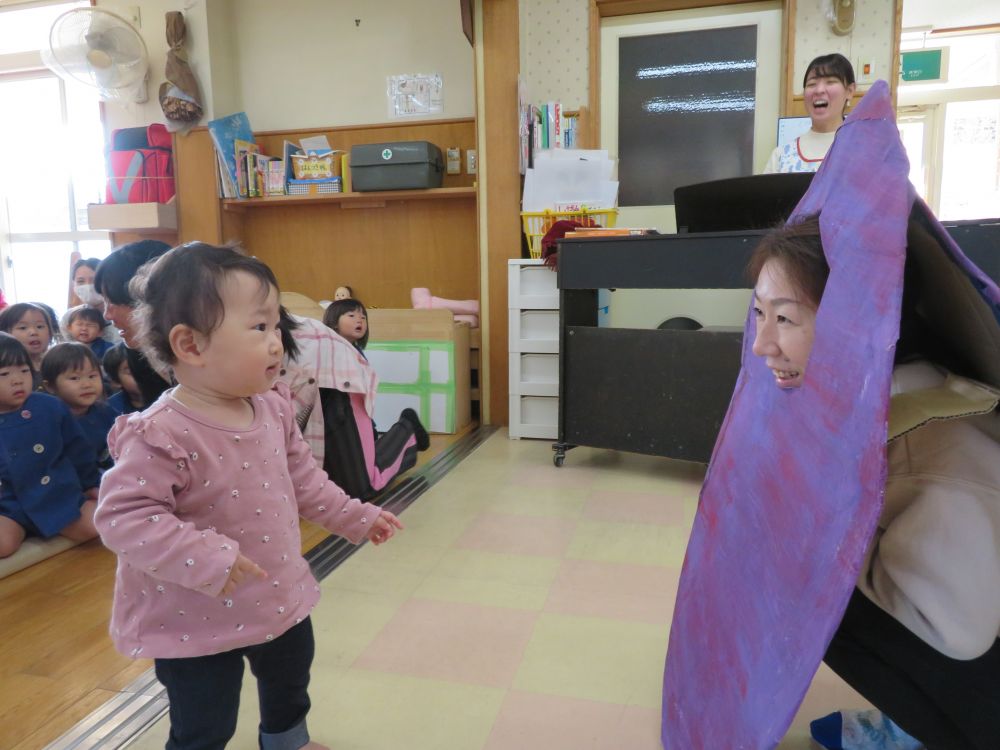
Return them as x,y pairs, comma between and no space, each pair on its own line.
355,456
86,325
30,324
48,474
71,372
129,398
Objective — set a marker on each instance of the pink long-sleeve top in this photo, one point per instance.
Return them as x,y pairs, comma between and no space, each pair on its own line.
184,497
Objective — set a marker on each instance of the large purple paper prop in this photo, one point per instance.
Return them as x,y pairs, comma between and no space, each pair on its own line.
794,489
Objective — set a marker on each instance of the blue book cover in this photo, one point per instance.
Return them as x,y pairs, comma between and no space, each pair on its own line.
225,132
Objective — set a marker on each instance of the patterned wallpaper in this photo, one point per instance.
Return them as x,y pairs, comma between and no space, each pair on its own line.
871,39
554,39
554,56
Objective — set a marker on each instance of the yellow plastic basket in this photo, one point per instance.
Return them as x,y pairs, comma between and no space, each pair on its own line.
537,223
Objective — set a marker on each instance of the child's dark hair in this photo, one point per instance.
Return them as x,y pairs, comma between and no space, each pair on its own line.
183,288
13,314
113,359
116,271
61,358
13,353
90,314
834,65
331,316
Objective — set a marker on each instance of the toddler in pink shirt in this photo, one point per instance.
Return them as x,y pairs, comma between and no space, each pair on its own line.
202,505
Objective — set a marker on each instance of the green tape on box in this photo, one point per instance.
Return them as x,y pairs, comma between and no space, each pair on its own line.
424,387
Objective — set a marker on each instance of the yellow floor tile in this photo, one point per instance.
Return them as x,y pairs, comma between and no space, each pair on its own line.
595,659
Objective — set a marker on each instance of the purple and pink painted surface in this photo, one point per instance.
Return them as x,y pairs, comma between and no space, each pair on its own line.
794,488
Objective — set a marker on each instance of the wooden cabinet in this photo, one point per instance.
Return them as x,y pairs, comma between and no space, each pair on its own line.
381,244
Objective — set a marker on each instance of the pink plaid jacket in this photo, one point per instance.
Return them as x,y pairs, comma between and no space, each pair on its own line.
326,360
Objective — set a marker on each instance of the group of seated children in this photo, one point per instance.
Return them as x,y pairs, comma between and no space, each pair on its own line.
55,413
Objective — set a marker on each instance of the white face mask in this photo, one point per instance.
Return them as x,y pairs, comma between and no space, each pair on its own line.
88,295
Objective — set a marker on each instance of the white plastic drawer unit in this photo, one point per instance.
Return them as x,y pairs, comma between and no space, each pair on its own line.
539,368
534,331
532,285
534,417
534,374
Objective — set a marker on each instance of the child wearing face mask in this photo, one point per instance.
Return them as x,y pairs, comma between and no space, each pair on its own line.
72,373
48,471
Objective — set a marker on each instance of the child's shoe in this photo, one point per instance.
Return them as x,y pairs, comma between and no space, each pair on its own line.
861,730
423,439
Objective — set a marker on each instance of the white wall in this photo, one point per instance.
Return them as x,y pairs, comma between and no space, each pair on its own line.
871,39
305,63
152,29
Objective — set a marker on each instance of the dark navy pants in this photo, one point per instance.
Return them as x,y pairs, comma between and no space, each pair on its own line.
204,693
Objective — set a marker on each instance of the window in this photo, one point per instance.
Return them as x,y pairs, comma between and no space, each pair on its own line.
51,148
951,128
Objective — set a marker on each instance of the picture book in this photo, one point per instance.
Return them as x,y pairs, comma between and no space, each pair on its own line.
225,132
244,166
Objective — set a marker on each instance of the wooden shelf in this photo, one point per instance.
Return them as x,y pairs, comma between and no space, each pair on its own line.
374,199
148,218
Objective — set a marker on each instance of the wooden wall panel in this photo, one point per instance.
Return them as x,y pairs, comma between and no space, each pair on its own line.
379,252
503,183
197,193
442,133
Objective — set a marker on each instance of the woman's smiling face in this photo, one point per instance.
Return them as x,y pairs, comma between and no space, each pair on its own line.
786,325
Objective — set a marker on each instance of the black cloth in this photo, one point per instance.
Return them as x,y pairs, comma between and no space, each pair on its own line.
204,691
344,457
945,703
149,381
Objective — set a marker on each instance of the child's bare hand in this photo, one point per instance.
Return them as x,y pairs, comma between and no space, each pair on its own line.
384,527
242,569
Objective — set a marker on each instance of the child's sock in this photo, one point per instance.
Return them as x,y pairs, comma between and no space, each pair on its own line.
861,730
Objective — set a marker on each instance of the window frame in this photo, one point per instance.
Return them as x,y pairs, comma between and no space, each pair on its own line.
29,66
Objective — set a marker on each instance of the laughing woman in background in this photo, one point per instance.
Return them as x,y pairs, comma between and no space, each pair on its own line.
827,88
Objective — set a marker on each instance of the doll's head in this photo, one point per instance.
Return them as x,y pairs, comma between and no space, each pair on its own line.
343,292
349,318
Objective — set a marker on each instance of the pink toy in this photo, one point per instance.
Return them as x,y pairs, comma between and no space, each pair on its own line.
465,310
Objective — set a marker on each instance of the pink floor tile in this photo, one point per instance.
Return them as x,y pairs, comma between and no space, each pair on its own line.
663,508
534,721
518,535
451,641
639,593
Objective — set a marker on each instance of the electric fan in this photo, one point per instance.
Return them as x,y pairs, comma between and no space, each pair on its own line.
100,49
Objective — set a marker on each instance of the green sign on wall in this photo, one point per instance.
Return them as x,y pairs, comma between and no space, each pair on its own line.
921,65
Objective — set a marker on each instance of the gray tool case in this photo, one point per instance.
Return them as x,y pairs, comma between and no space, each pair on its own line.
404,165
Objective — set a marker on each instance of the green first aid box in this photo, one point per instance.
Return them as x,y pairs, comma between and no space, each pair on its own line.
401,165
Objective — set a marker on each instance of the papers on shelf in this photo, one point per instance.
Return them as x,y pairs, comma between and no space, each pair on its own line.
570,176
